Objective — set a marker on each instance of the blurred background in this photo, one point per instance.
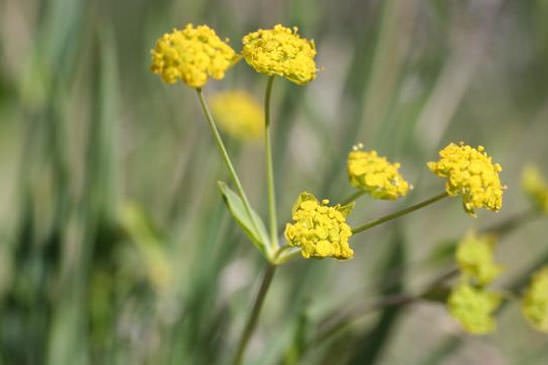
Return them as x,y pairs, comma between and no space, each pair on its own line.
115,246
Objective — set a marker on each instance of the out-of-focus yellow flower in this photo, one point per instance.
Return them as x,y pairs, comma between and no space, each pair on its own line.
192,55
375,174
238,114
471,173
475,258
534,304
473,308
536,187
319,230
281,51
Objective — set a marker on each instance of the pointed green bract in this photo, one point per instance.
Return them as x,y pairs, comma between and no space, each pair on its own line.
345,209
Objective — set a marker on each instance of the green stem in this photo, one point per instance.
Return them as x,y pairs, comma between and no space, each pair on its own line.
353,197
399,213
286,253
366,308
226,158
269,167
254,315
363,310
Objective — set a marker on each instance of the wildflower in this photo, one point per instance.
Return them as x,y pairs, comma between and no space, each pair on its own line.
281,51
534,304
238,114
471,173
536,188
192,55
473,308
375,174
475,258
318,229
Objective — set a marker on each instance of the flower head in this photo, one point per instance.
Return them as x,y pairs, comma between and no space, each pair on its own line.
238,114
318,229
471,173
475,258
192,55
281,51
536,187
473,308
375,174
534,304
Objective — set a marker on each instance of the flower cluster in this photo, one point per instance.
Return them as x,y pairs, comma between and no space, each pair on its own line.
474,256
192,55
534,304
470,302
472,174
281,51
238,114
374,174
318,229
473,308
536,188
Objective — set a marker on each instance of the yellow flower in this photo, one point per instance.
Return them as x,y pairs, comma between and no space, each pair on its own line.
534,304
375,174
192,55
319,230
471,173
473,308
536,187
238,114
281,51
475,258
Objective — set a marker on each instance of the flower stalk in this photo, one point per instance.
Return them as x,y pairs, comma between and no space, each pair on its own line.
389,217
224,154
270,167
353,197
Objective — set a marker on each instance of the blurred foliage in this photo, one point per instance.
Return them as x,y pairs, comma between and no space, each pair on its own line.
115,245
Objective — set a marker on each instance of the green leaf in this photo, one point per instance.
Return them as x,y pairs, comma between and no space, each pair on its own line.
257,235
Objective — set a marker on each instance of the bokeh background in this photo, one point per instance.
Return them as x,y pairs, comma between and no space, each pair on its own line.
116,248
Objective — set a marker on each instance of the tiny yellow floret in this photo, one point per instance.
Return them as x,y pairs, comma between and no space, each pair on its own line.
475,258
319,230
238,114
536,188
282,52
374,174
534,304
471,173
473,308
192,55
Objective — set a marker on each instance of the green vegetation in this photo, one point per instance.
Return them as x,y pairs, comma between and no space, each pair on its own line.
117,247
